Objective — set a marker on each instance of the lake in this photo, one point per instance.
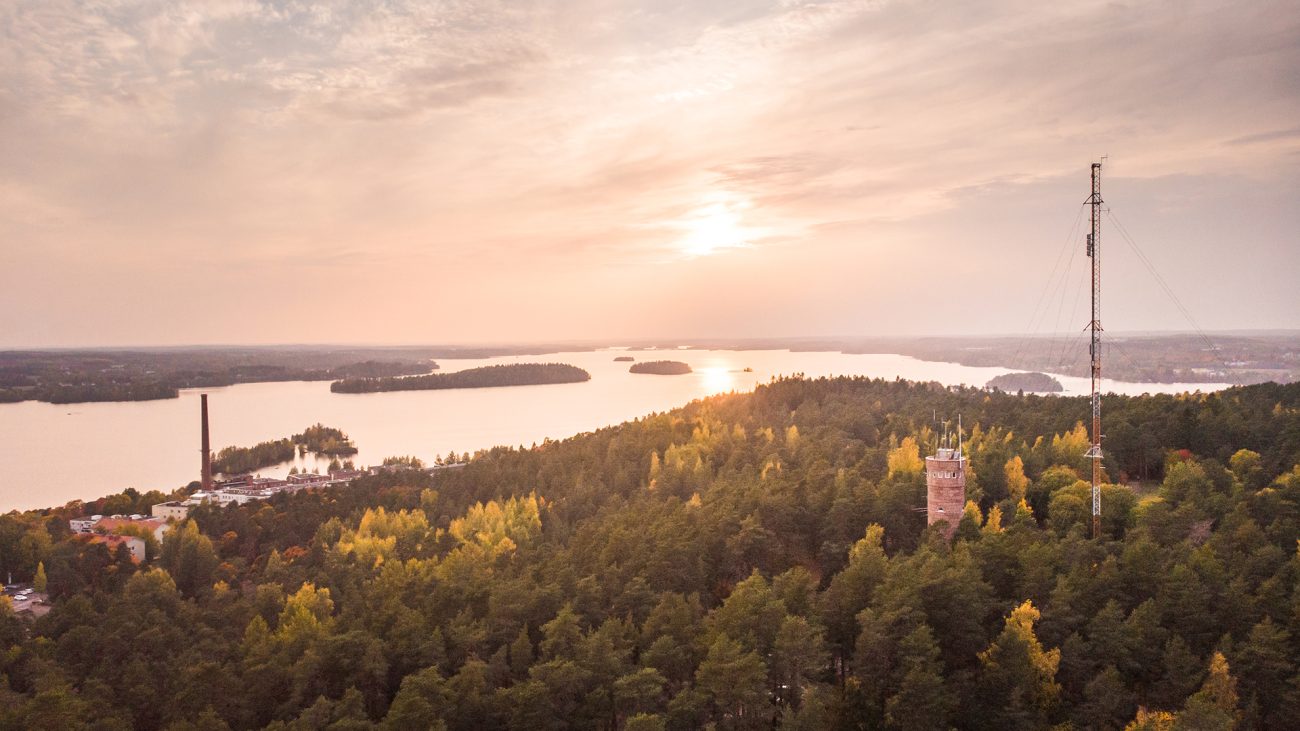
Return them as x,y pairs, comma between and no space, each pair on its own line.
55,453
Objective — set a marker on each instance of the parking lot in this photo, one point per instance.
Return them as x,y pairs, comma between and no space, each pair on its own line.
26,600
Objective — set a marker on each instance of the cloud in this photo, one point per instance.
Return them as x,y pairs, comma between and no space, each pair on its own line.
477,141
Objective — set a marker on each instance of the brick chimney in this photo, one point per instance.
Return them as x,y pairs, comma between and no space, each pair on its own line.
206,448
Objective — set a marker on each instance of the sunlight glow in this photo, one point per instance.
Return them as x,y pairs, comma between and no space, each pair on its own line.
716,225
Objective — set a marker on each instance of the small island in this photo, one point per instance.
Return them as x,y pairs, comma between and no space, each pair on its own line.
624,359
511,374
661,368
1031,382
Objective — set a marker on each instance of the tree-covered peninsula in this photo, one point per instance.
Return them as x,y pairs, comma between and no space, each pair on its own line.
510,374
321,440
661,368
749,561
79,376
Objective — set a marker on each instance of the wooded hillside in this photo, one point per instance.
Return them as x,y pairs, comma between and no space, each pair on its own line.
748,561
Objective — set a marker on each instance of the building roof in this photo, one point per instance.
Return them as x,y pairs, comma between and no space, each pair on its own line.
112,524
113,541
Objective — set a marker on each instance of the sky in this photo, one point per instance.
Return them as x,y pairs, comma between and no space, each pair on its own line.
235,171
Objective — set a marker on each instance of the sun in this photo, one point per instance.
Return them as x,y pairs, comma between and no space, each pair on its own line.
716,225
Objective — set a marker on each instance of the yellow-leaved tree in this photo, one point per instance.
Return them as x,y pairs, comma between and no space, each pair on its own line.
1017,483
1017,676
905,459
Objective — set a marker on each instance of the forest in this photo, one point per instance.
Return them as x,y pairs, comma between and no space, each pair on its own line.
748,561
510,374
661,368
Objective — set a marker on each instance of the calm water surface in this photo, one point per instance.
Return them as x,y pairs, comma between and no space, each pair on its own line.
50,454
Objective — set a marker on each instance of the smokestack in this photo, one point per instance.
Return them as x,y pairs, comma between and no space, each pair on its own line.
207,449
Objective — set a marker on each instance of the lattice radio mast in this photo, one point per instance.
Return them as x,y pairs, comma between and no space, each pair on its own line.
1094,253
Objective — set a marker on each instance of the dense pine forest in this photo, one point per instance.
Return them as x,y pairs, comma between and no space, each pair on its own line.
749,561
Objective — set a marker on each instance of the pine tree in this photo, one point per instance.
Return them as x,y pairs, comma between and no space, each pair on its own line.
1214,706
1017,679
922,703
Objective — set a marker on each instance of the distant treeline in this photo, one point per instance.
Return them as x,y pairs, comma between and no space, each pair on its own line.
75,393
317,439
515,374
1032,382
69,377
661,368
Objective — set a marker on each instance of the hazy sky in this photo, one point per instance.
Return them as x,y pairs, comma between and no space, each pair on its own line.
273,172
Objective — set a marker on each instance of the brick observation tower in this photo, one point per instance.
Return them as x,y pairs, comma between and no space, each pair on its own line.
945,486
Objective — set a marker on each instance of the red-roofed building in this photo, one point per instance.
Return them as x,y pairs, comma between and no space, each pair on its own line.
133,544
157,526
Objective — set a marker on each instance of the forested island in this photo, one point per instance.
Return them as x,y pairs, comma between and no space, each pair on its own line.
661,368
79,376
624,359
319,439
749,561
511,374
1030,382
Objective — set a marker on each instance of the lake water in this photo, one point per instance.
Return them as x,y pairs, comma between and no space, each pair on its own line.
50,454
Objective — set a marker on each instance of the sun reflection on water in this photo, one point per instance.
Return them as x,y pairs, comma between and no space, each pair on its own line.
717,379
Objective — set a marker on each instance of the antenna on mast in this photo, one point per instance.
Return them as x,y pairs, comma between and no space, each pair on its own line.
1094,253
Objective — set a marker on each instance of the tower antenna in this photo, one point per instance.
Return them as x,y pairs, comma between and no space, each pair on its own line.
1094,253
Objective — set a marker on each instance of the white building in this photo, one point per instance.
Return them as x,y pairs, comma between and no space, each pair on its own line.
173,510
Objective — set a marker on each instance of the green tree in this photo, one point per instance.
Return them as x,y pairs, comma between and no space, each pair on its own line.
1248,468
639,692
645,722
735,680
1266,666
798,657
751,614
1107,703
1017,678
56,708
189,557
1214,706
561,635
420,703
852,589
921,702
